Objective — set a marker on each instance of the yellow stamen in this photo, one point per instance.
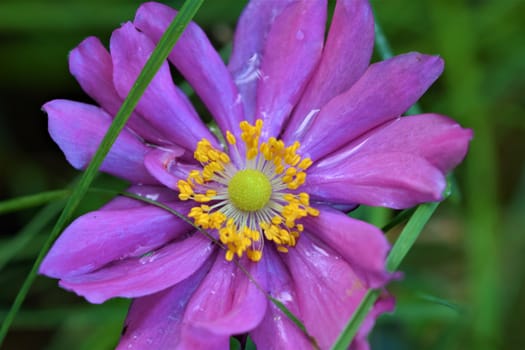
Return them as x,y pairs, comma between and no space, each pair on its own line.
248,194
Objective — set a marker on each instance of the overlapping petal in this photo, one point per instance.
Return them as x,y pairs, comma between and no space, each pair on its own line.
79,140
163,104
291,52
155,321
140,276
167,167
199,63
285,333
227,302
327,289
390,179
250,38
345,58
100,237
438,139
384,92
92,66
362,245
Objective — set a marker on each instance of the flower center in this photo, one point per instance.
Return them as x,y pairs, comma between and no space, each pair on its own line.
249,190
253,198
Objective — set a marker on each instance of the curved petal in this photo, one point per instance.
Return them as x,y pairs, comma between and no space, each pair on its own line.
362,245
165,166
199,63
136,277
391,179
251,33
384,303
227,302
90,63
291,52
78,128
100,237
155,321
327,289
384,92
162,104
284,333
345,58
438,139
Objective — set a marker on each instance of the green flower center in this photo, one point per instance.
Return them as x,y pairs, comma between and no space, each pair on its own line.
249,190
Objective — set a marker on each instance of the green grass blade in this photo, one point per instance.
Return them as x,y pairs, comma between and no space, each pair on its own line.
159,55
30,201
22,238
403,244
409,234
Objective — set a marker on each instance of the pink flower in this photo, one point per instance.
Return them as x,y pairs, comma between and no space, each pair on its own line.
309,126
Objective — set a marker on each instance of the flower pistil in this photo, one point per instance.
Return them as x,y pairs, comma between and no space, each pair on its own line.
254,198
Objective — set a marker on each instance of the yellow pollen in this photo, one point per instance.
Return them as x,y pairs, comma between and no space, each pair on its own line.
249,190
249,203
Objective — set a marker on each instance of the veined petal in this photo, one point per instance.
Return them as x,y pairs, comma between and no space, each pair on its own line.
155,321
327,289
78,129
362,245
291,52
438,139
100,237
227,301
251,33
140,276
391,179
284,333
198,62
345,58
384,92
162,104
91,65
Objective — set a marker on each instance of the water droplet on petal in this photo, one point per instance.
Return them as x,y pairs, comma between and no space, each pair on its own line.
299,35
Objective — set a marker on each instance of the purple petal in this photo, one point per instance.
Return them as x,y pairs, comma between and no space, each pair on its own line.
384,92
91,65
198,62
78,129
155,321
391,179
284,333
327,289
291,52
136,277
385,303
162,104
436,138
165,165
362,245
227,301
100,237
251,33
345,58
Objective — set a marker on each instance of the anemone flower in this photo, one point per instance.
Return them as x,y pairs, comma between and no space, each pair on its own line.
308,128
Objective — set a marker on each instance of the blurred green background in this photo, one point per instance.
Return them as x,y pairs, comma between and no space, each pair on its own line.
463,281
